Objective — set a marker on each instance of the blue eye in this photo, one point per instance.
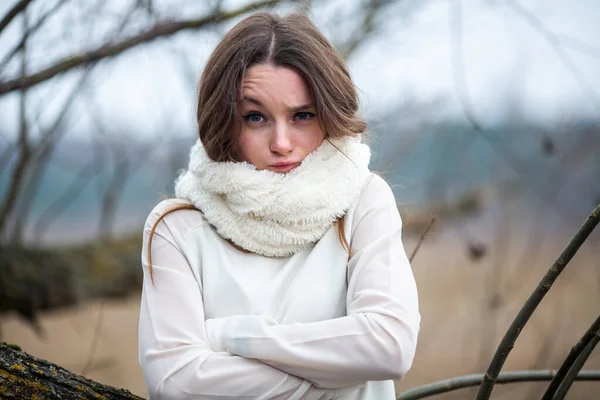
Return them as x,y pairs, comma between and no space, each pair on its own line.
254,117
304,115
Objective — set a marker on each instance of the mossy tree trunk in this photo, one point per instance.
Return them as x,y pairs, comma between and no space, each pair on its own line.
23,376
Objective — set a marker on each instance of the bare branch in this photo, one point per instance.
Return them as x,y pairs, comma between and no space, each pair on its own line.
422,238
465,381
32,29
577,365
17,176
13,12
533,301
39,158
570,360
159,30
44,148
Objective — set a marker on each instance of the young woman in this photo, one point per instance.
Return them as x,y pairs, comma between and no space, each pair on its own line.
278,271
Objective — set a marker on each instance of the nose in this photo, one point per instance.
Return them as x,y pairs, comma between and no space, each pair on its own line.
281,141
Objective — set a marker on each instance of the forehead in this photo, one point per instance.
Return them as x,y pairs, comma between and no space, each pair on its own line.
277,85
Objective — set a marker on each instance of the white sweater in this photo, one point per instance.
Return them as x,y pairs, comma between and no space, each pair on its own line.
219,323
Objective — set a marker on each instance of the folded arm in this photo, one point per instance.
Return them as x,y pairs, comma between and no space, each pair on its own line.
174,353
375,341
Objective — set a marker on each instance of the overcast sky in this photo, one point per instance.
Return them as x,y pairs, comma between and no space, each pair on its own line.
504,55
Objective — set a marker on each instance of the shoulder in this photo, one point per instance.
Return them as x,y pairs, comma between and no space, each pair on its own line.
376,193
175,214
376,203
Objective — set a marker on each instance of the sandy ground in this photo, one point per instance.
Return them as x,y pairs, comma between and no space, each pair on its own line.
466,307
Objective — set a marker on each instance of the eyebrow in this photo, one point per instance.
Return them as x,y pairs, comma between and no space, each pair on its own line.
300,108
291,109
253,100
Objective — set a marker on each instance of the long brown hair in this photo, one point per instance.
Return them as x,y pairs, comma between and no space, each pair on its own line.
292,41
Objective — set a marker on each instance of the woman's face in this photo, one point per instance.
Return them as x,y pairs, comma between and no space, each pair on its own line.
279,122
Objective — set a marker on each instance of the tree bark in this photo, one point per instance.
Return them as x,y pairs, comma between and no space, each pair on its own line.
23,376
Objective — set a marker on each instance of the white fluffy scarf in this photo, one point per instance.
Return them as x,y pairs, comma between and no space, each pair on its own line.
271,213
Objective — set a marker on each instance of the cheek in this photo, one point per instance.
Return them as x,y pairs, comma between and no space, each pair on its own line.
249,148
244,150
314,140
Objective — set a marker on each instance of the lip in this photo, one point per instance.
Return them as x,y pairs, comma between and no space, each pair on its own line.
284,167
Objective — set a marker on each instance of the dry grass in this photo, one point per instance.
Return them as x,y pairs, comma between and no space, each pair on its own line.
467,306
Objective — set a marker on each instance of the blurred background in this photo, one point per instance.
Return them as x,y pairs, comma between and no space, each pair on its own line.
483,113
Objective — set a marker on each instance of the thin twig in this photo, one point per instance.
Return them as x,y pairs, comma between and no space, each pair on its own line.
18,173
577,365
465,381
422,238
32,29
39,159
549,335
568,362
10,15
159,30
533,301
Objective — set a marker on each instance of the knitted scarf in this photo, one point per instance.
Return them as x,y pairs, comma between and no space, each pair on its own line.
276,214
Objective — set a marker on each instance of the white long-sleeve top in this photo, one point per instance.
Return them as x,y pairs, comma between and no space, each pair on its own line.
219,323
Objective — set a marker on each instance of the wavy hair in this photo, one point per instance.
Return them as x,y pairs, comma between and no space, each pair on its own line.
291,41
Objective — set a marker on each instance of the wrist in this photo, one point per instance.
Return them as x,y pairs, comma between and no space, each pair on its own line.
215,330
222,333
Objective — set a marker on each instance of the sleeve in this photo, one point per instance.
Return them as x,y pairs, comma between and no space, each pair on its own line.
375,341
174,355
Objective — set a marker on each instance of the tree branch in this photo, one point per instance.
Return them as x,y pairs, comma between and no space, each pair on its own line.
39,159
30,32
465,381
20,6
577,365
568,362
24,376
18,175
532,302
159,30
422,238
